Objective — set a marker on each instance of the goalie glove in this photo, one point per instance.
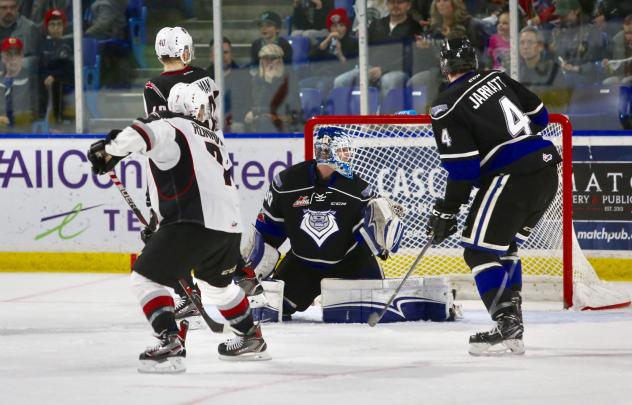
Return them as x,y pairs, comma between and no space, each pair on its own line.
259,256
382,229
442,222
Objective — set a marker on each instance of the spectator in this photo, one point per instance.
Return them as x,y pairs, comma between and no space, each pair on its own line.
577,44
309,18
20,104
107,19
537,13
498,48
236,84
447,16
57,61
611,13
391,40
334,54
535,69
41,7
275,99
108,24
420,12
12,24
620,73
448,19
375,9
269,27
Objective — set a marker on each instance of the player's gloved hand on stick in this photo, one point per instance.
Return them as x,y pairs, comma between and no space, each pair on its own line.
147,232
102,162
442,222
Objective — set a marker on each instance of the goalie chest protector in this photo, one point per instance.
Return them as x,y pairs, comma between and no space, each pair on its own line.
320,217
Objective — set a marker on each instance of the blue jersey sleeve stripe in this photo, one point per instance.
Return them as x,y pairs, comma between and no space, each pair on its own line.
513,152
269,228
541,117
468,169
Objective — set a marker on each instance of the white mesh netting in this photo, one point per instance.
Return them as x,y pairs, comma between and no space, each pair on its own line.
400,160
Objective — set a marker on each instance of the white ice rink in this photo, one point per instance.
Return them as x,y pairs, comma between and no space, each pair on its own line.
74,339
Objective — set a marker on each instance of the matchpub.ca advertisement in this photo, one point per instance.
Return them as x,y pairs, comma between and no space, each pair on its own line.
602,197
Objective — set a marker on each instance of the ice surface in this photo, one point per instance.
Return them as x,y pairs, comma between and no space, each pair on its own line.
75,338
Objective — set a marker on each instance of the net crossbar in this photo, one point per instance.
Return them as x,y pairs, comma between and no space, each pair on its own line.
398,156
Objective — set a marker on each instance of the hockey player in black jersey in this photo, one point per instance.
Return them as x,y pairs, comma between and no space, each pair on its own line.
174,49
196,201
335,223
486,126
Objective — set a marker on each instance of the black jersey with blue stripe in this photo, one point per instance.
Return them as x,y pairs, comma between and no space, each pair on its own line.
486,123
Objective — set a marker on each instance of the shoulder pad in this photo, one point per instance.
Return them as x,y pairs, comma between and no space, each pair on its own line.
438,109
278,183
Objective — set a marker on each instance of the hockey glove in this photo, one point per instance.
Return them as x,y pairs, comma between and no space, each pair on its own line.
147,232
101,161
442,222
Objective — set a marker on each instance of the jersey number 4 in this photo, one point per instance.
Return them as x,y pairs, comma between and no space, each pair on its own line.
214,150
517,121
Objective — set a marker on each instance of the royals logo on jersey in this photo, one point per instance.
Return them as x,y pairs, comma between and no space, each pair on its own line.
319,225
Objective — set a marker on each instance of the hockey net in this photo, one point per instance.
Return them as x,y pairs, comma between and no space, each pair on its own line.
397,155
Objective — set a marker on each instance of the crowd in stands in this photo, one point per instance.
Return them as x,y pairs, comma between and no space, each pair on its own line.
38,62
562,44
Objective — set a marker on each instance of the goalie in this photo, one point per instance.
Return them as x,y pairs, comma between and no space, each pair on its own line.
335,223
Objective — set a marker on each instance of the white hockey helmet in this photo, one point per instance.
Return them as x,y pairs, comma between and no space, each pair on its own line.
172,41
189,99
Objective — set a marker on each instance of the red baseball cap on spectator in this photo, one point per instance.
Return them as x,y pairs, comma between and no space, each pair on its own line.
336,16
11,43
54,13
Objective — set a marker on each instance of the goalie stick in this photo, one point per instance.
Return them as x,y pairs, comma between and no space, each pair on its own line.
375,317
212,324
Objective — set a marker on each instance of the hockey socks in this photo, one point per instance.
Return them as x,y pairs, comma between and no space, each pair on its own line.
237,311
513,265
156,302
491,279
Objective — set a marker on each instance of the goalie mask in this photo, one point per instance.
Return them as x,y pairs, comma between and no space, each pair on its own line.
457,55
189,99
332,146
172,41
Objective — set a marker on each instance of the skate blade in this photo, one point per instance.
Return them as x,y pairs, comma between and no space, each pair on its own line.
172,366
259,356
505,348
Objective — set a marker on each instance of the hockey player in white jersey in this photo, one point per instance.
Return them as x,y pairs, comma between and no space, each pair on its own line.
193,194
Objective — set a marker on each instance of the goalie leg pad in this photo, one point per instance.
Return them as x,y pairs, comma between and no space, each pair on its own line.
353,301
271,308
258,255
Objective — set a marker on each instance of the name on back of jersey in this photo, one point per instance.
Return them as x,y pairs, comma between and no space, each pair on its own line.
207,133
483,92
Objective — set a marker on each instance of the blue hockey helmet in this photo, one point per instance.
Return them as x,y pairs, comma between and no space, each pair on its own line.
332,146
457,55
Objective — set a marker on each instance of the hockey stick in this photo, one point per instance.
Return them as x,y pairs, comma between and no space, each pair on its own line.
214,326
375,317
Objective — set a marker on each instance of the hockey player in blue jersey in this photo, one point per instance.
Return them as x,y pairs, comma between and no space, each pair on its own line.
486,126
334,221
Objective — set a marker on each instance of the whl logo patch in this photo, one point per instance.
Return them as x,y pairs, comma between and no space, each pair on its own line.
320,225
302,201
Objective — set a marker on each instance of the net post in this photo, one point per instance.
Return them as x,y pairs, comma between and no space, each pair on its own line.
567,206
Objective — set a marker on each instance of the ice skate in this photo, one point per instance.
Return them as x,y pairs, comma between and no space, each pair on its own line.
516,300
186,309
504,339
248,347
168,355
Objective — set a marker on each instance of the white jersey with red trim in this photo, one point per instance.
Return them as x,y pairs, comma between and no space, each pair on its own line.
189,170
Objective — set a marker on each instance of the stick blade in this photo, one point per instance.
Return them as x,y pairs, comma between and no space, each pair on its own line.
374,318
